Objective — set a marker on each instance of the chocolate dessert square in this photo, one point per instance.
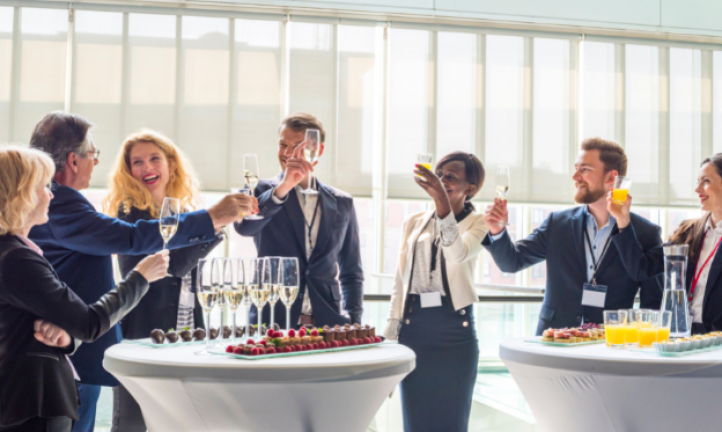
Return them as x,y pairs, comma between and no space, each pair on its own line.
372,331
362,333
329,335
351,334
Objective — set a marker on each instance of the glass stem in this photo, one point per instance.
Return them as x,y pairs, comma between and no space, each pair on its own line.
248,322
288,318
165,245
273,307
308,188
233,334
208,331
260,315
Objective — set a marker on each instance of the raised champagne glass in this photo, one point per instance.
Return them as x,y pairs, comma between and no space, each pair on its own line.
288,279
169,218
233,295
311,148
502,184
250,176
207,297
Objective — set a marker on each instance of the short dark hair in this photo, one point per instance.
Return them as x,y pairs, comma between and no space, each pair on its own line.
299,122
611,154
59,134
474,169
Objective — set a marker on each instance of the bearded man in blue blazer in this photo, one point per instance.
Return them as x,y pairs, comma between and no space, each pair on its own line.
320,229
78,241
585,273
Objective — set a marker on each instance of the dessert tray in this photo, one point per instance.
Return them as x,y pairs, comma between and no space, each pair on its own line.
685,346
569,337
172,338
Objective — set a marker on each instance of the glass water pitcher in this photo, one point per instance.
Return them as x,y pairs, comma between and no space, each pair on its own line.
675,292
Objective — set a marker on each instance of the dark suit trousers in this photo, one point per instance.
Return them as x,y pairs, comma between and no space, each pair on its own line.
37,424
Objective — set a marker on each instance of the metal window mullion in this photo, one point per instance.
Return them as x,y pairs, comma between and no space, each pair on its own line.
125,77
232,100
285,54
380,176
15,73
480,129
528,118
620,93
575,105
70,61
706,114
433,93
179,76
332,150
664,128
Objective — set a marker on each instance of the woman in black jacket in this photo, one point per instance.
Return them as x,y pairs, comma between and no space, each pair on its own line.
148,169
37,386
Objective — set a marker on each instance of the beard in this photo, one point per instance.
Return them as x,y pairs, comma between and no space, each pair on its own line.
588,195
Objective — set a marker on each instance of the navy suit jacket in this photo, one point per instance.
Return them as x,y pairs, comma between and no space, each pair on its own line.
651,263
335,264
78,241
560,241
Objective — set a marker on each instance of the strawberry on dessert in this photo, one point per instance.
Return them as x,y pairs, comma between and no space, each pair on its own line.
271,350
277,334
314,346
335,344
367,340
291,333
229,349
250,342
302,332
238,350
314,332
255,351
377,339
346,342
270,333
263,342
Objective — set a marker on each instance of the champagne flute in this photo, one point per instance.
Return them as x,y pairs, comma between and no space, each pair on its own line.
273,263
261,291
251,279
217,285
233,295
310,150
207,296
288,279
169,218
502,184
250,176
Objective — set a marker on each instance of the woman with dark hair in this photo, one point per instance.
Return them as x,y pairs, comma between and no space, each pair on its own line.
703,235
433,295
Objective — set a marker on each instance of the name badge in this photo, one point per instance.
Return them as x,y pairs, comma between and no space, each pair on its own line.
430,299
594,295
186,299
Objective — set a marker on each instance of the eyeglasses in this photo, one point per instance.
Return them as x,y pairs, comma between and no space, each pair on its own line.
95,153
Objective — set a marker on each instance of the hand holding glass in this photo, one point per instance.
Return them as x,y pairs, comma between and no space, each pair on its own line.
311,148
250,176
621,189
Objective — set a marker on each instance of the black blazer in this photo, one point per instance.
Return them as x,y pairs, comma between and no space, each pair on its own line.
335,264
37,380
560,241
651,263
159,307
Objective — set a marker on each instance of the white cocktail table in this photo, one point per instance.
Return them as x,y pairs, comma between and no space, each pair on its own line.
180,391
594,388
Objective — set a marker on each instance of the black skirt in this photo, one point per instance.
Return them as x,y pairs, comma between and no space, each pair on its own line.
437,395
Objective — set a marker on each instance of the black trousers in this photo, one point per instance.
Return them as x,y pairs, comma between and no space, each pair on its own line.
38,424
437,395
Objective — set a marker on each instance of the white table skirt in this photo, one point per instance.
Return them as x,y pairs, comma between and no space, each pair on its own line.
180,391
594,388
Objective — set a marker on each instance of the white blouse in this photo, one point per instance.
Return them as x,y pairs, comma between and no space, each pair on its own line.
711,237
423,280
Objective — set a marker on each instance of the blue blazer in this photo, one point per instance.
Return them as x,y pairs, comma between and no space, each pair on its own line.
650,263
335,264
560,241
78,241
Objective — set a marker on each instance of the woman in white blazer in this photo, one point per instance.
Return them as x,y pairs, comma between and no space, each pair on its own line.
433,295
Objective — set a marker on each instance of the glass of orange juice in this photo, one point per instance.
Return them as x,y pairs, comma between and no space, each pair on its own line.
621,189
615,322
664,323
648,328
632,328
424,159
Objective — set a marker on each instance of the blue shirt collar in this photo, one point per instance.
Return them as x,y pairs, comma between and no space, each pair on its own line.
593,222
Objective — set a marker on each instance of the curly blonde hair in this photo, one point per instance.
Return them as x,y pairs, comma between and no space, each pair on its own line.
22,171
127,192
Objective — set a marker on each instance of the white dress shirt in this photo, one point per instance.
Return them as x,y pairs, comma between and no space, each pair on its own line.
423,280
711,237
308,206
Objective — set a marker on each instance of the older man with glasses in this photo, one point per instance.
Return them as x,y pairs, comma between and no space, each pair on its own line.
78,241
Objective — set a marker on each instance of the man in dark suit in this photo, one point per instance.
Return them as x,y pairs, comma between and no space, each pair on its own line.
319,229
585,276
78,241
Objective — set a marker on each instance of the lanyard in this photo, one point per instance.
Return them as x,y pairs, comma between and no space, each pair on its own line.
699,273
437,239
591,252
310,225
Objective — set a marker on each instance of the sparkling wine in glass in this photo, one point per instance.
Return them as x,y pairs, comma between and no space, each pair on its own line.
288,279
169,218
273,263
231,291
311,148
252,269
502,184
261,294
207,296
250,176
219,287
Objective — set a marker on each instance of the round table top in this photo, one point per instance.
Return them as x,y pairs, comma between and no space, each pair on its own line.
602,359
181,362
